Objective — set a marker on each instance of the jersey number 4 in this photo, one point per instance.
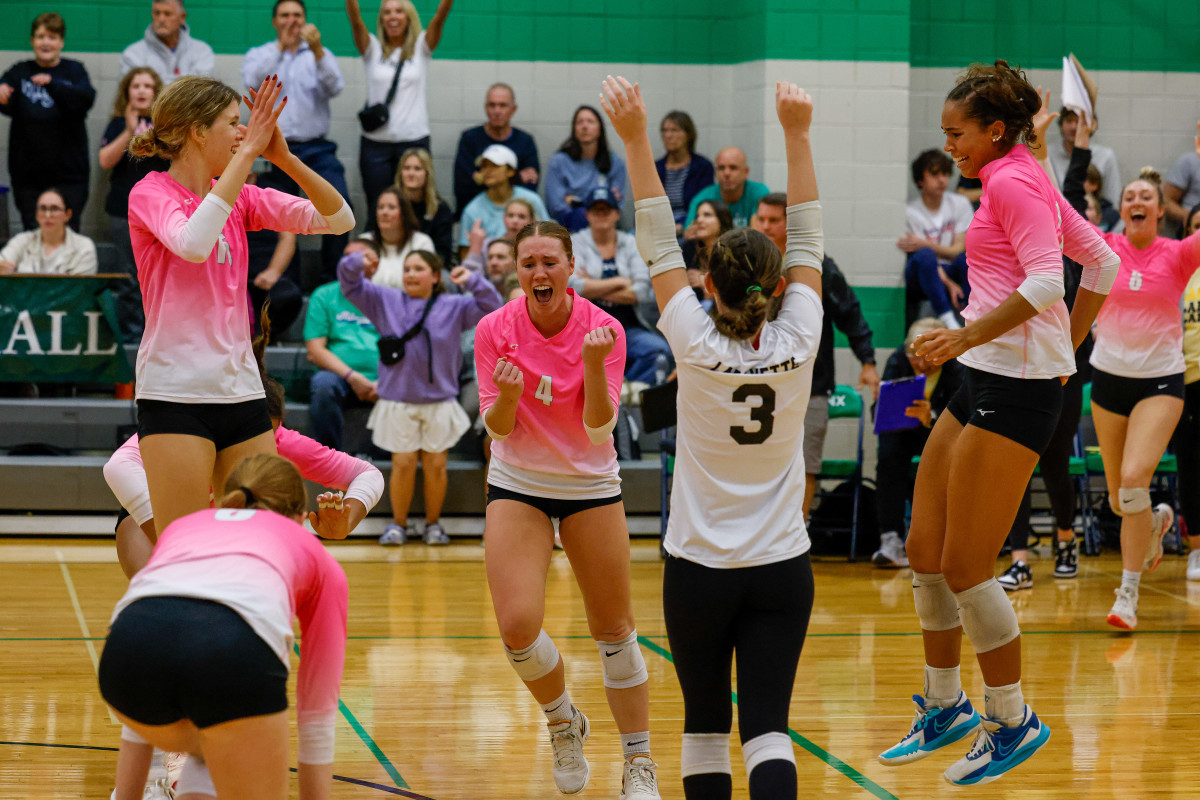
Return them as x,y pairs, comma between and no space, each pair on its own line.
763,413
543,390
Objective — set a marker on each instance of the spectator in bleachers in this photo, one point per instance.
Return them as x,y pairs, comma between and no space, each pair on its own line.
273,275
894,474
48,99
733,188
396,55
583,164
396,232
970,188
167,47
711,220
419,181
1182,187
610,272
344,347
51,249
1108,217
495,257
418,416
936,239
517,214
771,218
683,171
496,165
500,105
131,116
1104,158
311,78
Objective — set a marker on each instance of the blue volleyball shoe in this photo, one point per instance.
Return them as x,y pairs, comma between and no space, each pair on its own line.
998,749
932,728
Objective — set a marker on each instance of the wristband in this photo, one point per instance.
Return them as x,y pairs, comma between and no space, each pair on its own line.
346,377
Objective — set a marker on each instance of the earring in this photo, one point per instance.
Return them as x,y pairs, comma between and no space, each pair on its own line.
995,138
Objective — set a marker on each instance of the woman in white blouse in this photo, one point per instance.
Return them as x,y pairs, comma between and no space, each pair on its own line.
399,41
52,249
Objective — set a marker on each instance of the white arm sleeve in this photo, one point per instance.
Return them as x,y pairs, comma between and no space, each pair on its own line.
342,220
367,488
126,477
1042,289
600,435
315,735
199,235
1099,278
805,240
655,233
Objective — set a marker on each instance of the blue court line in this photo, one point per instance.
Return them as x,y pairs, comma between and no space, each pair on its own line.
342,778
383,760
830,759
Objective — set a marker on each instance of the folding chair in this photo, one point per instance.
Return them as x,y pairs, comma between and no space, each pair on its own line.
846,403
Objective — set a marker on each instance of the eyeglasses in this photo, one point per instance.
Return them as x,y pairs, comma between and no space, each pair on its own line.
50,209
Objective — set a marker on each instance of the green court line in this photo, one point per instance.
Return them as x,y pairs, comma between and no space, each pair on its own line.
380,756
830,759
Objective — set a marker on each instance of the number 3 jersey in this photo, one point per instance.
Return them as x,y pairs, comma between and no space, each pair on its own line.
548,453
739,464
1138,333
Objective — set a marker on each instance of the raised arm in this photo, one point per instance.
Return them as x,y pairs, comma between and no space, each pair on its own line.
358,28
433,31
805,241
655,225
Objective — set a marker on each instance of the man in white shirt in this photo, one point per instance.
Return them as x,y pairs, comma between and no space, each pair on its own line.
311,77
936,239
167,46
1103,158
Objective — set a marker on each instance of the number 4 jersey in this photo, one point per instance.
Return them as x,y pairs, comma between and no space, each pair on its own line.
739,465
548,453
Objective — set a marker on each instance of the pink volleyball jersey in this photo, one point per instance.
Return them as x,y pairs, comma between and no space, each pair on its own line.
1138,334
1022,228
269,570
196,346
549,437
126,474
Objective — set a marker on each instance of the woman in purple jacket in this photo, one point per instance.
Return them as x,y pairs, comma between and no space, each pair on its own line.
420,355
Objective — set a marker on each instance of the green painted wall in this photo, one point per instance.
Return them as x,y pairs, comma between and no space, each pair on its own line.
1144,35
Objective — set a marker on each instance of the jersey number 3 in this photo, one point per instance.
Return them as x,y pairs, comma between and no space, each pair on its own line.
763,413
543,391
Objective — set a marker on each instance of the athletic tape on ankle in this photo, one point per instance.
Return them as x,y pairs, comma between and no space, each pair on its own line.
194,778
128,734
772,746
654,229
936,607
988,618
622,663
1132,501
536,661
805,240
703,753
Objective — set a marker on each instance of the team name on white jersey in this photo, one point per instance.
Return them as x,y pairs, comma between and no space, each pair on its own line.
786,366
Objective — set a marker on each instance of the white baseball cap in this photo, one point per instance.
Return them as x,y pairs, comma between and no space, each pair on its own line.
499,155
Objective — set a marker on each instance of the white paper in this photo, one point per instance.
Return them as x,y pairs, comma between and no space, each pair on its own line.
1074,93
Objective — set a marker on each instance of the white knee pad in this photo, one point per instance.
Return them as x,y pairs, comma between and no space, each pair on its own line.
767,747
936,607
622,663
1131,501
128,734
703,753
988,618
194,778
536,661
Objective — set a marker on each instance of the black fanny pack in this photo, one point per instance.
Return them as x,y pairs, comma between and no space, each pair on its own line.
372,118
391,348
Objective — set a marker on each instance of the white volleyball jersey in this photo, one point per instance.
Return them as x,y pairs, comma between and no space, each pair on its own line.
739,464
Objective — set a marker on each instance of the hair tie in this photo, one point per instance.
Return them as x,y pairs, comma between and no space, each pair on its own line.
754,287
249,496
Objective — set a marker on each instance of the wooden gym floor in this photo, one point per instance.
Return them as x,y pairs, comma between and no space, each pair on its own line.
431,708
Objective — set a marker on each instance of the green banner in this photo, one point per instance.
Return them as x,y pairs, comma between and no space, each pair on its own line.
60,329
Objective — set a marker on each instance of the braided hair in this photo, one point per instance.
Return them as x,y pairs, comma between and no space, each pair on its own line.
745,267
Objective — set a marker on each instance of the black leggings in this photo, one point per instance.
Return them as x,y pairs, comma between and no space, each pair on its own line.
758,613
1186,444
1056,461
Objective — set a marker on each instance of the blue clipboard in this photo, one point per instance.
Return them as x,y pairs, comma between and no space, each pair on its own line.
894,398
